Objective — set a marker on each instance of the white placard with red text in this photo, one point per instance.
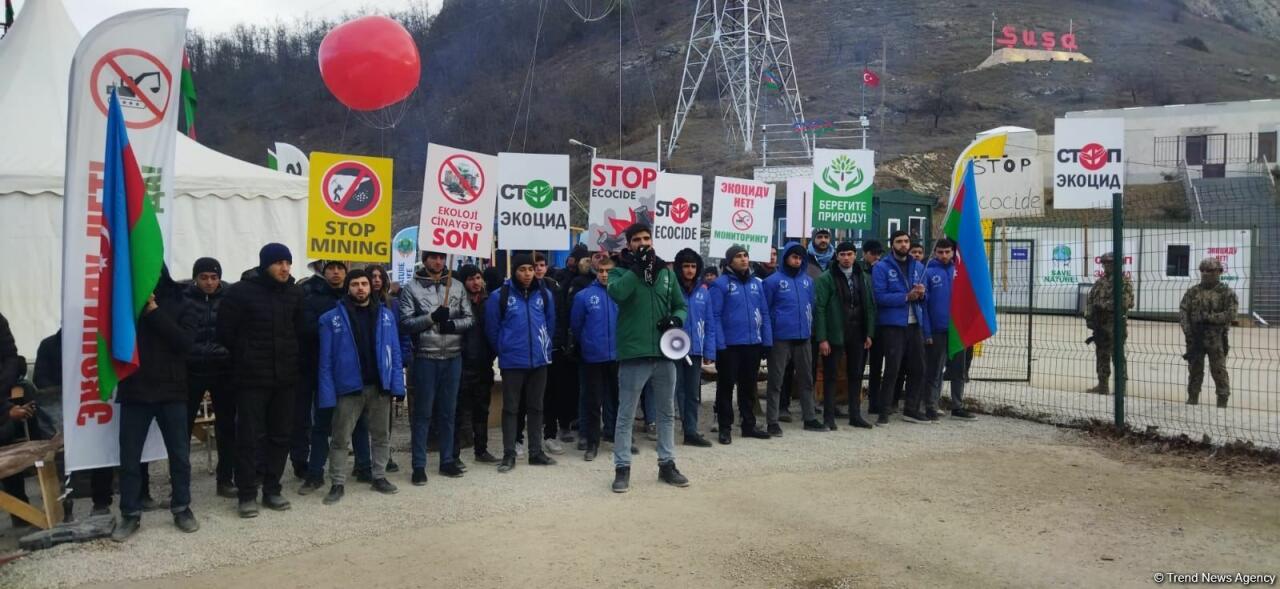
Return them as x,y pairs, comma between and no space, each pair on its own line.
622,193
678,222
742,215
458,199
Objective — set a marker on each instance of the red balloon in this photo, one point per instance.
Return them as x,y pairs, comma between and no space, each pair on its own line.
369,63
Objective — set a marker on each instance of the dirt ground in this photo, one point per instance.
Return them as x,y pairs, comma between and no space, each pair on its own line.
1051,508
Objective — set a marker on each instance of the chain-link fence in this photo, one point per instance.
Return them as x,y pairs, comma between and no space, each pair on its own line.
1049,362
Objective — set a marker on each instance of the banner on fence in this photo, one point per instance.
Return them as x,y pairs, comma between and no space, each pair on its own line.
533,201
743,215
404,254
622,193
349,208
843,184
1088,165
458,202
677,222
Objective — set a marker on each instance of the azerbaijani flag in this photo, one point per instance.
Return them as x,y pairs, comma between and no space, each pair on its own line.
132,253
973,307
771,79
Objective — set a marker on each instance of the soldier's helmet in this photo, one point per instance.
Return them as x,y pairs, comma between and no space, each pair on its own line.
1108,258
1211,265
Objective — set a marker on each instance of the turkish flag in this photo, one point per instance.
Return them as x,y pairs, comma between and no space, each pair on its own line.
870,78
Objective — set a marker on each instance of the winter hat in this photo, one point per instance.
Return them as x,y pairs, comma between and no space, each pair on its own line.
846,246
467,271
821,231
272,253
872,246
519,260
732,253
324,265
203,265
580,251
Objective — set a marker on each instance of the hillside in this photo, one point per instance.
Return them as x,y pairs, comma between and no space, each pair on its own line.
261,85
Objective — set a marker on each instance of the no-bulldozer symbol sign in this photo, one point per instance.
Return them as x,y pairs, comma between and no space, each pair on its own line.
457,202
140,79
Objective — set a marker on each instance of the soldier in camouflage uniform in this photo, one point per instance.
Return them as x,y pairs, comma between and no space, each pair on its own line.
1099,317
1206,313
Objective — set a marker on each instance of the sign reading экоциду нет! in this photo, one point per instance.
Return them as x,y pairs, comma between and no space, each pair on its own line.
843,184
742,215
349,208
1088,162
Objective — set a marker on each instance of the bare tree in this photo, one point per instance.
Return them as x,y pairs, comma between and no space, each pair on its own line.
937,100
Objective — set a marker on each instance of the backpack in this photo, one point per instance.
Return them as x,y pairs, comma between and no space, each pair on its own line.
505,293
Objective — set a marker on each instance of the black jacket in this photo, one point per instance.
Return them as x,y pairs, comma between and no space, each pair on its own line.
318,298
208,356
165,337
49,362
564,304
259,323
476,352
12,366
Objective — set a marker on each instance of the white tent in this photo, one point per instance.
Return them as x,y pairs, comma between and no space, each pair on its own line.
222,207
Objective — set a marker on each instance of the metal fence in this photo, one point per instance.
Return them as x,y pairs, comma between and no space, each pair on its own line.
1043,359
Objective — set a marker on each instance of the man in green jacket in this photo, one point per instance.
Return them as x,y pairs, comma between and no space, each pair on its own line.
844,325
649,302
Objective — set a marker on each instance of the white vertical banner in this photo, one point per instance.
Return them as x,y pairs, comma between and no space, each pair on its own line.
743,215
288,159
1088,165
404,254
677,223
533,201
622,193
799,207
458,197
139,54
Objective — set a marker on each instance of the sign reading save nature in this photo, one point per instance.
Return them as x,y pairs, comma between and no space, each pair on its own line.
743,215
533,201
349,208
843,181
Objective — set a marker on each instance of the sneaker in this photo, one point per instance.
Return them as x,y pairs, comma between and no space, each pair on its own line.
858,421
931,414
566,436
127,527
775,430
696,441
186,521
725,437
814,426
621,479
310,485
451,470
541,459
419,477
385,487
484,457
335,494
755,433
275,502
553,446
913,416
508,463
519,448
226,490
668,474
651,431
962,414
149,504
883,419
363,475
591,452
248,508
392,466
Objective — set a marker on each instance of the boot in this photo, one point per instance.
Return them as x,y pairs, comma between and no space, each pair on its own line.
1222,399
668,474
856,420
1193,397
1103,388
621,479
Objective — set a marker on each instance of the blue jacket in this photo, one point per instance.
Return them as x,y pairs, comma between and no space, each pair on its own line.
702,330
740,312
891,289
522,337
937,294
594,321
791,297
406,343
339,360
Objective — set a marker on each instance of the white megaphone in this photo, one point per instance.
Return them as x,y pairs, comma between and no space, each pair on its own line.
675,344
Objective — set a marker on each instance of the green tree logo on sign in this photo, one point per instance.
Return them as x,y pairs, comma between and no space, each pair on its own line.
539,194
842,175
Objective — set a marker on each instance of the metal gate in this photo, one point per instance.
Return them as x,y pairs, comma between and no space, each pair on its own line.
1006,356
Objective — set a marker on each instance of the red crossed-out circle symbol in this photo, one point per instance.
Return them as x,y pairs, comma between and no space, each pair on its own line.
742,220
1093,156
143,85
351,189
461,179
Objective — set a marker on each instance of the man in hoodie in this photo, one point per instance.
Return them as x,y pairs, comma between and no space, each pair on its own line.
741,316
475,390
844,326
649,303
207,368
938,276
157,392
898,282
519,318
789,296
435,313
260,322
360,370
702,344
594,326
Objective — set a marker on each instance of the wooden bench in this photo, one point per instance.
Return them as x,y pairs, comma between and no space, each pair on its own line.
16,458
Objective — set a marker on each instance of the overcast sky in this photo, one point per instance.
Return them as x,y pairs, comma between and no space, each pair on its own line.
223,15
